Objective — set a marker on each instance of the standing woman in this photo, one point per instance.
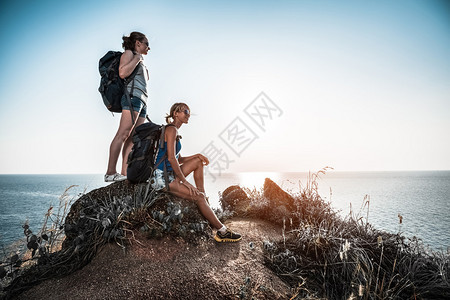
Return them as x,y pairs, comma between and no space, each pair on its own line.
136,45
178,167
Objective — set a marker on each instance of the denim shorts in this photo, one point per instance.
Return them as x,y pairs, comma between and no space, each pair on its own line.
157,180
137,104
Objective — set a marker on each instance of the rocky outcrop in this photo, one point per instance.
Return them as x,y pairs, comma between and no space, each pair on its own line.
324,256
104,213
172,268
168,247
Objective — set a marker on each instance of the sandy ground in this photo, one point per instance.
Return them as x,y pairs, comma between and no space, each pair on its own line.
173,269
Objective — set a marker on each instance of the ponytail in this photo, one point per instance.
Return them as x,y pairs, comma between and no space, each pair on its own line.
129,42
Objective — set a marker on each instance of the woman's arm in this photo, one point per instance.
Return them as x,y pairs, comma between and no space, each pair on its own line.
128,62
171,135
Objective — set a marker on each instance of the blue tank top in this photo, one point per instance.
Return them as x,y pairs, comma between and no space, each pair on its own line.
163,151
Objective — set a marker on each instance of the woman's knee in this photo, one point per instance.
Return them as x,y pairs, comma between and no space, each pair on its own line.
121,138
122,135
199,164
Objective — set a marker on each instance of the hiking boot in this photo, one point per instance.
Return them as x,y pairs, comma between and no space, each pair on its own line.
114,177
228,236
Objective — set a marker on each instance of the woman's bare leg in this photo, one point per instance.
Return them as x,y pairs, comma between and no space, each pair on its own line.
182,191
195,165
121,136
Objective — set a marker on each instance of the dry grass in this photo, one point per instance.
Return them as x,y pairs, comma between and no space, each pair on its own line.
324,255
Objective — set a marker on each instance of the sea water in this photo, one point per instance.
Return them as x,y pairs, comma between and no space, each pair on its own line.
421,198
27,198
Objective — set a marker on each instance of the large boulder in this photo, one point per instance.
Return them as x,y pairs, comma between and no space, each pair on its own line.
273,204
235,199
106,214
276,196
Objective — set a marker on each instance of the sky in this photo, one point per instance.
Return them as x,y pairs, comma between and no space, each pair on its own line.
276,86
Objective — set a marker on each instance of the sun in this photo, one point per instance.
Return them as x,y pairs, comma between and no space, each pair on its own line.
256,179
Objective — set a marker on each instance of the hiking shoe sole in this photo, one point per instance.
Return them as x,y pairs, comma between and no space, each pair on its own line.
219,240
227,237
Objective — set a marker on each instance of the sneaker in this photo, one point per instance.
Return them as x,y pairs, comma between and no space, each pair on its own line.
114,177
228,236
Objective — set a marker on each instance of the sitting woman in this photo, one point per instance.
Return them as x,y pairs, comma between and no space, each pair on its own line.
179,167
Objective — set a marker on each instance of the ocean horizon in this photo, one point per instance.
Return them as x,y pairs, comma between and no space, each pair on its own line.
421,198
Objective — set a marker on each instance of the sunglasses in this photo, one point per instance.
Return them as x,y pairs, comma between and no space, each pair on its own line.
187,112
146,43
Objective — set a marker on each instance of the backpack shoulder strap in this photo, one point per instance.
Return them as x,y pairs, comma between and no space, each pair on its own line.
132,75
129,95
161,145
163,134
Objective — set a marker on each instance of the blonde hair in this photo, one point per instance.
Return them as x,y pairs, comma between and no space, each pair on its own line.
177,107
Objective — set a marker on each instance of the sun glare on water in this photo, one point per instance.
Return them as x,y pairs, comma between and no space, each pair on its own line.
256,179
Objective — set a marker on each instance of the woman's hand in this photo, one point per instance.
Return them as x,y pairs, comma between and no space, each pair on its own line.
128,61
203,159
192,189
139,55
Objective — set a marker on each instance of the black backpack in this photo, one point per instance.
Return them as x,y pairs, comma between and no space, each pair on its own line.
112,87
147,140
